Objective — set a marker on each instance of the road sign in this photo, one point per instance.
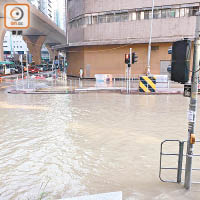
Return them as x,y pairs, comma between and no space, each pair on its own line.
170,50
187,90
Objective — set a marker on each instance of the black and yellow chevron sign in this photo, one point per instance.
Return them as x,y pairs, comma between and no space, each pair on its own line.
147,84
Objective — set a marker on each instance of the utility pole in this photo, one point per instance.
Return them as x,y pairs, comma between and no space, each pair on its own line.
150,38
193,106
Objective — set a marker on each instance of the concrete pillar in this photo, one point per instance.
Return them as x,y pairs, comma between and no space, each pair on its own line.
34,44
52,52
2,34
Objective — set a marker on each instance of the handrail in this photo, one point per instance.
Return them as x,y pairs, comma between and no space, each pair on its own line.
180,161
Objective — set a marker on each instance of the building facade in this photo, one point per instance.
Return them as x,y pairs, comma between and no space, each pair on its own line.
100,32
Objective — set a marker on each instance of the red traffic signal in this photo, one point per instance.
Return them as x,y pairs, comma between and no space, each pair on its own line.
127,58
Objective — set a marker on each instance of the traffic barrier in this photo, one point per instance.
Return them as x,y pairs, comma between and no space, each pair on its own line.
147,84
103,77
162,81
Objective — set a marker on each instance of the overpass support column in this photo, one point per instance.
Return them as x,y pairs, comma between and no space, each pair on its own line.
34,44
2,34
52,52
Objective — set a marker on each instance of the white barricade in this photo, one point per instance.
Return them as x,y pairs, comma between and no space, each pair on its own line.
162,81
103,77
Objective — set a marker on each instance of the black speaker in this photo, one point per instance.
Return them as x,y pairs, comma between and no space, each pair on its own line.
180,66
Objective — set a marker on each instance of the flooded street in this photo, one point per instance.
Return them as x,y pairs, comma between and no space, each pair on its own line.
88,143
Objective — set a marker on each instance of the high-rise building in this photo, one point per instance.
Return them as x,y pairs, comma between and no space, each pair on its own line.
57,17
60,15
100,32
46,7
13,45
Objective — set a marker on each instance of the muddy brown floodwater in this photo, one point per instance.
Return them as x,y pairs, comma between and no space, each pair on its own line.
73,145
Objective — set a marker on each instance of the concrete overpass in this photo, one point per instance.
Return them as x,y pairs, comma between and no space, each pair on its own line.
42,31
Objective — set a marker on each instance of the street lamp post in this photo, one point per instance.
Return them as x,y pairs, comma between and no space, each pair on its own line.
150,39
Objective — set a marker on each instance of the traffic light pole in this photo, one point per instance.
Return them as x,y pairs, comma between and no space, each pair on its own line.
128,82
27,67
192,108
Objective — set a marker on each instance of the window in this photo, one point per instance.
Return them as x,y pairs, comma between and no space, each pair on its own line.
142,15
172,13
133,15
182,12
110,18
177,13
138,15
163,13
168,13
187,12
88,20
124,17
193,11
117,17
146,14
95,19
102,19
157,14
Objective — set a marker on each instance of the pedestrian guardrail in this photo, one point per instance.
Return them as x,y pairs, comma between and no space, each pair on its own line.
180,156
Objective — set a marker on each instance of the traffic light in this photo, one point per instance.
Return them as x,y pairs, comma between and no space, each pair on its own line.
180,66
134,58
127,58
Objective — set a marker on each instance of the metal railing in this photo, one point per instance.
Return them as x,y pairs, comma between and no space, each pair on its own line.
180,155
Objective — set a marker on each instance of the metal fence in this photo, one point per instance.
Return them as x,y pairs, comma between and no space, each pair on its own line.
178,166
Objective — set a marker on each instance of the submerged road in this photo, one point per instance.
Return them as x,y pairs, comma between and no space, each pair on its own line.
72,145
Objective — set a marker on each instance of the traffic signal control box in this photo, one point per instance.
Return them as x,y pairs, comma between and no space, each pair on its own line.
180,66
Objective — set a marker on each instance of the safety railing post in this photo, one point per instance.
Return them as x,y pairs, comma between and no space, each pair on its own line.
180,162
